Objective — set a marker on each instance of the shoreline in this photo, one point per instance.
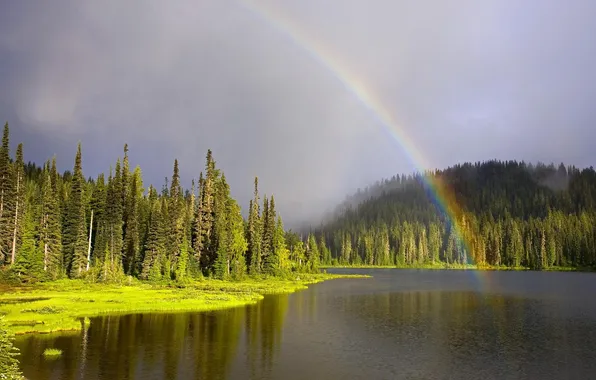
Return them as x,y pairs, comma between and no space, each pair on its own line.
461,267
64,306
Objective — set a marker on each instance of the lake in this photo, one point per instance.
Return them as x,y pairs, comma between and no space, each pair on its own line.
401,324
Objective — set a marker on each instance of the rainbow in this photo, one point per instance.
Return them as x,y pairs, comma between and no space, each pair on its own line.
442,196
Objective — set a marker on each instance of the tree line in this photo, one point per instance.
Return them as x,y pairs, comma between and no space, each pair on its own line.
508,214
56,225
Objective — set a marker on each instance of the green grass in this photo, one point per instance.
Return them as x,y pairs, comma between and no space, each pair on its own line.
63,305
52,352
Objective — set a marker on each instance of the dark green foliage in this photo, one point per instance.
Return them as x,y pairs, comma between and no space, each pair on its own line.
107,230
9,365
113,221
154,250
75,236
254,233
50,235
29,262
312,254
204,244
6,198
324,252
509,214
100,228
132,260
18,202
219,261
279,262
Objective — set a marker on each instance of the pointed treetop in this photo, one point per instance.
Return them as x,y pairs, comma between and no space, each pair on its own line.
78,157
5,141
175,184
5,135
20,153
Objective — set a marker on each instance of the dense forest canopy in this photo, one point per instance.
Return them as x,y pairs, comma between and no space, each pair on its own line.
510,214
55,225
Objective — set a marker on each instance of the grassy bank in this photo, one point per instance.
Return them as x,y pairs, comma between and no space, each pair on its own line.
62,305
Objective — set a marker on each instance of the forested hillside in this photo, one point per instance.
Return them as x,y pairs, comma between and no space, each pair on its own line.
509,214
54,225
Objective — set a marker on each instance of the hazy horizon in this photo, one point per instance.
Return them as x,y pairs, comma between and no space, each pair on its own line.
467,82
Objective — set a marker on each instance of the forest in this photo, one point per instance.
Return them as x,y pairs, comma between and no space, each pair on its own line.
508,215
502,215
55,226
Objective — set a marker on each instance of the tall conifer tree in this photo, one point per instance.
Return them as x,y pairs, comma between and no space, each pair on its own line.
77,230
255,233
19,202
6,198
50,231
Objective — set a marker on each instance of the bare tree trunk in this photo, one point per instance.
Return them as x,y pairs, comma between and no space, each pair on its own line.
89,247
45,245
2,201
16,225
1,221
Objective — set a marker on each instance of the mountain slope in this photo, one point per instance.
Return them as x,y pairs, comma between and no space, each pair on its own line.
511,214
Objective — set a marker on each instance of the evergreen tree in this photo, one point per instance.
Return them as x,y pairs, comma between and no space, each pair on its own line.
266,234
312,254
9,365
220,263
254,233
237,244
198,244
6,198
154,250
280,250
175,235
19,202
132,264
434,241
269,256
29,261
99,208
50,231
76,232
204,245
324,251
114,216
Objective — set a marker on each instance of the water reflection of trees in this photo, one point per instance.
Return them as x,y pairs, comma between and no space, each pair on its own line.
163,346
263,326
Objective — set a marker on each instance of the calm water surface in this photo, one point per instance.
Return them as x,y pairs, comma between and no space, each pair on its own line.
401,324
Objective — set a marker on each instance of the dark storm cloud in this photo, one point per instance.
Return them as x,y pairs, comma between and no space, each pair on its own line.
468,80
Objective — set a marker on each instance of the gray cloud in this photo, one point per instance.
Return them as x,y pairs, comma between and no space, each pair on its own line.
467,80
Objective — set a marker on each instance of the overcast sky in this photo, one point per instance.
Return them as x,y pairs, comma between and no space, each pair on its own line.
468,80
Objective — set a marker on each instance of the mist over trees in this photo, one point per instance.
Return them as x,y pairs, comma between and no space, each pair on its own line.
63,225
511,214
